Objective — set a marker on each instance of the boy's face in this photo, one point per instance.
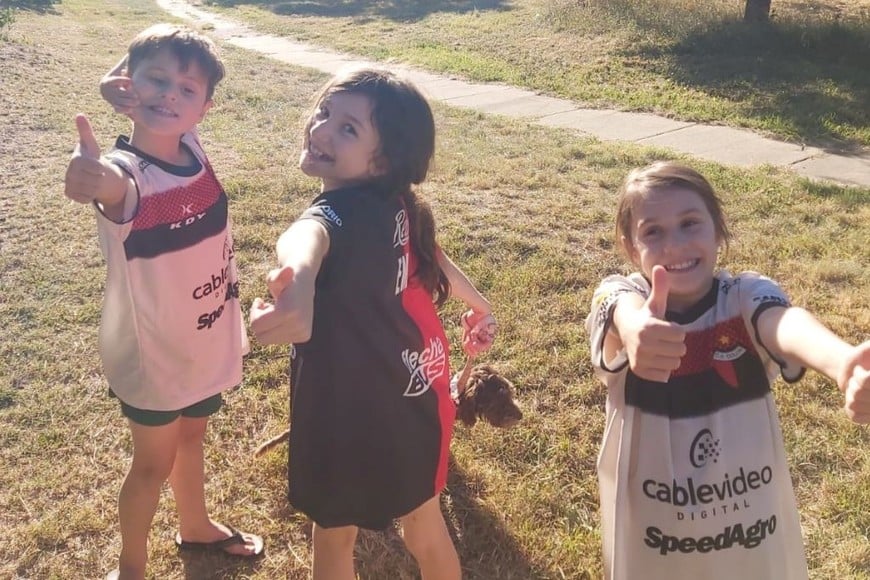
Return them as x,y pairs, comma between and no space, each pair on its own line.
171,100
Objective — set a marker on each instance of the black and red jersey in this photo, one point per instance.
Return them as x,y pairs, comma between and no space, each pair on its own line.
371,414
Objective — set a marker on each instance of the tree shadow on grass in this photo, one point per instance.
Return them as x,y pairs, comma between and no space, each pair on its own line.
398,10
813,76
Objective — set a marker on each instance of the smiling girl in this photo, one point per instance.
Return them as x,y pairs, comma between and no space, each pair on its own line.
693,476
360,281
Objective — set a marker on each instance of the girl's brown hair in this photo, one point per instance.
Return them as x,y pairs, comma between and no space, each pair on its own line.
406,128
662,175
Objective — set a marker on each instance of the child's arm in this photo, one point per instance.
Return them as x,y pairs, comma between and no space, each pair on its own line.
116,87
301,250
89,178
478,324
794,335
654,346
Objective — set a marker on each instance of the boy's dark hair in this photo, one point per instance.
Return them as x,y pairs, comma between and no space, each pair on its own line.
185,44
406,130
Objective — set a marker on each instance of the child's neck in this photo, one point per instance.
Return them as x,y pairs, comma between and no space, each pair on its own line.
163,147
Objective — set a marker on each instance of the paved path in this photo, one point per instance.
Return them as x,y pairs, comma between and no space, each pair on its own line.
721,144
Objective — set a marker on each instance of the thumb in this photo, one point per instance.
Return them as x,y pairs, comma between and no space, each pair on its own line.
660,286
856,359
88,146
278,279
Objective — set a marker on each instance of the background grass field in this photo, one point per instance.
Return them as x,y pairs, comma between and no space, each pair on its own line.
804,77
525,210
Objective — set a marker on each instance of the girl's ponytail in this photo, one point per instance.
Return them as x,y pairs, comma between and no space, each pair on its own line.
422,225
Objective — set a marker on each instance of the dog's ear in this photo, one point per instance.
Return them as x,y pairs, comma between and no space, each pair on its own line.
466,411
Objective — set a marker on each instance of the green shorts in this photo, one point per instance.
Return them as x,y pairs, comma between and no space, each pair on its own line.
204,408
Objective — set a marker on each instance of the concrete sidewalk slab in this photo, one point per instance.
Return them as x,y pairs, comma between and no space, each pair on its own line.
720,144
732,146
839,168
527,105
614,125
447,89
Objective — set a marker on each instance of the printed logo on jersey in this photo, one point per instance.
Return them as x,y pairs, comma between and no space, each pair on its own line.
400,240
211,287
216,282
747,537
704,448
727,350
229,253
699,499
331,215
143,164
401,273
403,230
425,367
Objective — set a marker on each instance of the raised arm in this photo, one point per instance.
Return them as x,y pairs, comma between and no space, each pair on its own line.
116,87
300,250
90,178
795,335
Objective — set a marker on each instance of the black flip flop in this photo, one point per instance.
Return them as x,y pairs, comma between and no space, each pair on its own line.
237,538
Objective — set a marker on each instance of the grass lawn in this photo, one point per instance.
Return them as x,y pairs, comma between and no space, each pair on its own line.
803,78
525,210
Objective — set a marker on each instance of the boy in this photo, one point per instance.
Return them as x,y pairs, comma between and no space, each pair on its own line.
172,334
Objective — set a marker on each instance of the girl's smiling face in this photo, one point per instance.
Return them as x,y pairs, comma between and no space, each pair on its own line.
672,227
342,144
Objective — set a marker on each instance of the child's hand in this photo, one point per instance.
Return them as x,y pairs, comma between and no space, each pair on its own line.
278,279
653,345
479,332
118,91
854,381
85,171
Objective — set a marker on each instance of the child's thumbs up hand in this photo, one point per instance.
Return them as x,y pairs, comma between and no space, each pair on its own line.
85,171
854,381
653,345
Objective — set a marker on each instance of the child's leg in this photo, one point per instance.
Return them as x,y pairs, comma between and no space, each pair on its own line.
153,455
333,553
188,486
427,538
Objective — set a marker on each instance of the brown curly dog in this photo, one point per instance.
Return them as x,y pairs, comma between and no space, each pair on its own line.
487,395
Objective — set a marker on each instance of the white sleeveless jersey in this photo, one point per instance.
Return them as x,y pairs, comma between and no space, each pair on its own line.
693,476
172,332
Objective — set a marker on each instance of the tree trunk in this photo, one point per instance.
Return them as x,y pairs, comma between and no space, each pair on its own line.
757,11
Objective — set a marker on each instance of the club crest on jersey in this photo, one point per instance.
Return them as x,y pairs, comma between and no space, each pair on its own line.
728,351
424,366
403,232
